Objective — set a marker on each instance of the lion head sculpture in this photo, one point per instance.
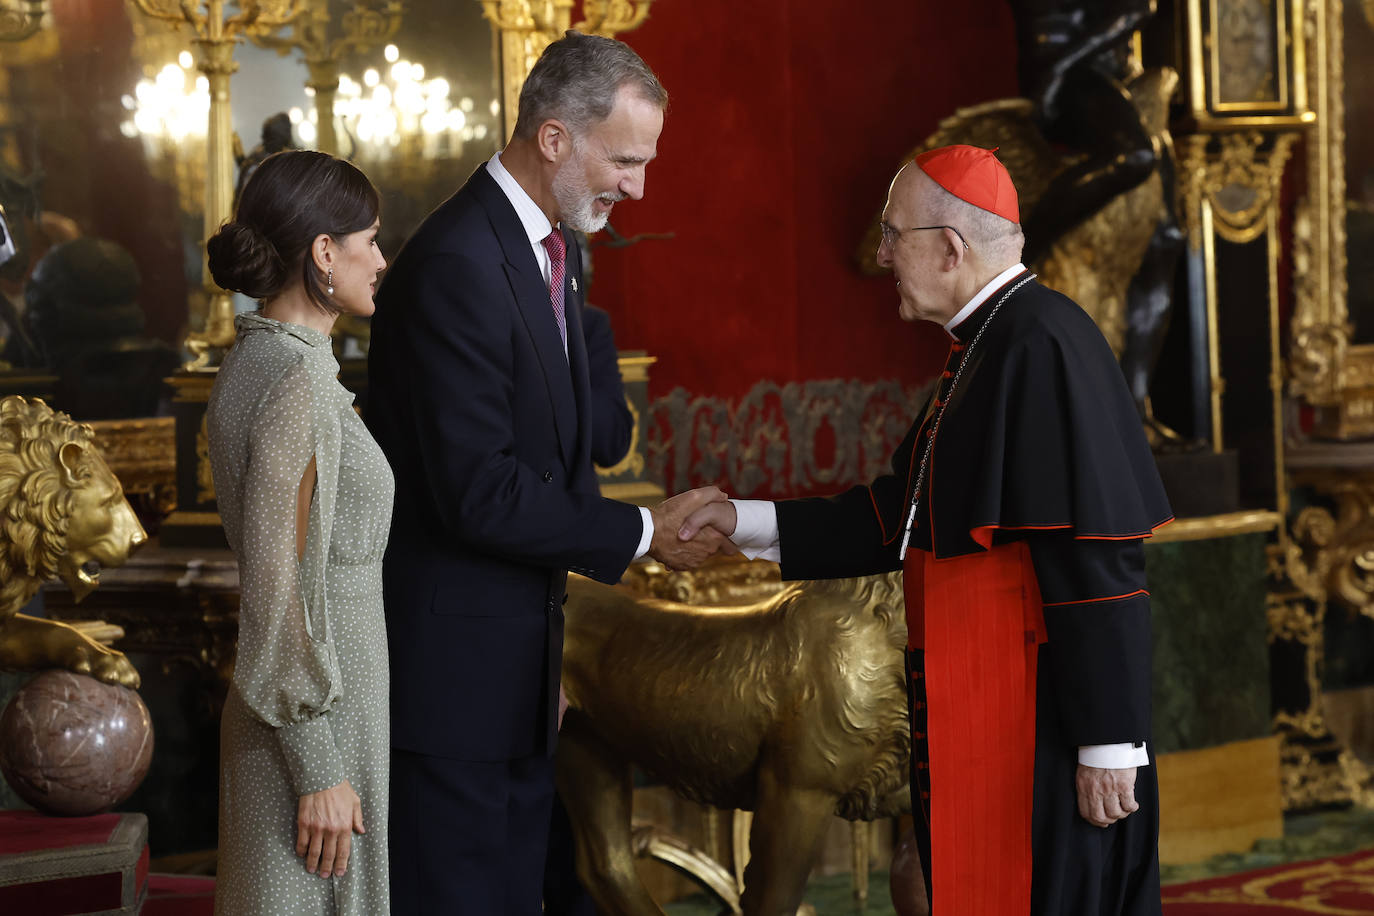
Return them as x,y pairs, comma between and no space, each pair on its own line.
62,512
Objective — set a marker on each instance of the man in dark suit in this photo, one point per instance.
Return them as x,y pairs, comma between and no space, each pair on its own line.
479,396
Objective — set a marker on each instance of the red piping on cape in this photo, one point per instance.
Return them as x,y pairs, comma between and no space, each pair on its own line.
1136,593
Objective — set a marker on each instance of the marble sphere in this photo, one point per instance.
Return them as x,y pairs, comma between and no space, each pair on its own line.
72,745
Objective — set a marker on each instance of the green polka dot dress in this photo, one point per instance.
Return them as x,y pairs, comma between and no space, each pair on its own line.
307,707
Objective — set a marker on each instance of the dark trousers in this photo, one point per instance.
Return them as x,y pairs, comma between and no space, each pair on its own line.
468,837
564,894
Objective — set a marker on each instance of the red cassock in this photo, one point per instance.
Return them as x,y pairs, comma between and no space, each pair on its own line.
1027,612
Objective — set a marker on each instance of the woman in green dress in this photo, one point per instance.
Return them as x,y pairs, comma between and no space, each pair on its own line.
305,495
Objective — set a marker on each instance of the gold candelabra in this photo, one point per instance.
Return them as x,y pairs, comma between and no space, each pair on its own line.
216,34
527,27
22,20
367,25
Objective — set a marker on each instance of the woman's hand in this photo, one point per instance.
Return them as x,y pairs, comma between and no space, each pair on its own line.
325,824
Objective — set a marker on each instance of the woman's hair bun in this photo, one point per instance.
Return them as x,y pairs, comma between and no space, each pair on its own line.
243,260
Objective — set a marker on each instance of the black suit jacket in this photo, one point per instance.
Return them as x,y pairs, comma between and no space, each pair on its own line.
612,423
485,424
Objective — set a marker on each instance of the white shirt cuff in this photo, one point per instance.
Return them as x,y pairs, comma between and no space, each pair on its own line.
647,537
756,529
1113,756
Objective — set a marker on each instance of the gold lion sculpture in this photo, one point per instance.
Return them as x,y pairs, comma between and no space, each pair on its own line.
61,512
793,708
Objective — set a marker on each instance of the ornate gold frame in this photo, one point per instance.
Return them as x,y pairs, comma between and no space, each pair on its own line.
1325,368
1289,107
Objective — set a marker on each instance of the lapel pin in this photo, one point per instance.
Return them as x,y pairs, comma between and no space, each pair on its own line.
574,284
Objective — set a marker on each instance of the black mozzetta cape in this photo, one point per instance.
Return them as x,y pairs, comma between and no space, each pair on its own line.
1041,433
1050,438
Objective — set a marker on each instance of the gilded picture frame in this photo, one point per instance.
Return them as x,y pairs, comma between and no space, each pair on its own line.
1328,366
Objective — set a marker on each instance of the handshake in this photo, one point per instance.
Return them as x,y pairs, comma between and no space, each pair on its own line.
692,527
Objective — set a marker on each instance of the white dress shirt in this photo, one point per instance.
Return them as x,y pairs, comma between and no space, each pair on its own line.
538,227
756,535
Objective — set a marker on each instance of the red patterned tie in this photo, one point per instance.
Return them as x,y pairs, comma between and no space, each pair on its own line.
557,250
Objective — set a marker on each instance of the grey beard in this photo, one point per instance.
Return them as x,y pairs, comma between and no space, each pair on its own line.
576,203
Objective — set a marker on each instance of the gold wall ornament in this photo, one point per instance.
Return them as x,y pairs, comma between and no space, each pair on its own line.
369,24
65,516
524,28
1322,353
1324,557
1238,175
21,19
142,454
1327,369
216,33
1342,544
793,706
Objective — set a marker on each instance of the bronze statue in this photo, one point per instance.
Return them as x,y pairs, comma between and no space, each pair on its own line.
793,707
61,512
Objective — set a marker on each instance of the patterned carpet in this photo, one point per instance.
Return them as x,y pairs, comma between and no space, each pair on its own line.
1324,864
1336,887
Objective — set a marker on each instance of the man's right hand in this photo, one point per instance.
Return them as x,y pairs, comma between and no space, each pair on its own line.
1105,796
718,515
325,824
676,552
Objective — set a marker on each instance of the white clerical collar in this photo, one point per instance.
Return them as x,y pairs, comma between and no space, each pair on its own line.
537,225
993,286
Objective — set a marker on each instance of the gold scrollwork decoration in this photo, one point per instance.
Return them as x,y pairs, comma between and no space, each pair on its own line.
1239,181
1294,621
1335,553
22,20
633,462
1320,328
650,842
611,17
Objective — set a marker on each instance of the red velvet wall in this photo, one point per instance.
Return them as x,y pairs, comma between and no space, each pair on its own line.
786,121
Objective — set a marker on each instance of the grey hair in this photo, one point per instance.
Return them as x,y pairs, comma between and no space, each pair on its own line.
995,237
576,81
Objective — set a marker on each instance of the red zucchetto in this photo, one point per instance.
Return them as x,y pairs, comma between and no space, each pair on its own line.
974,175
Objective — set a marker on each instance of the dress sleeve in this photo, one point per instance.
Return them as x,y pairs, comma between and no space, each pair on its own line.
287,672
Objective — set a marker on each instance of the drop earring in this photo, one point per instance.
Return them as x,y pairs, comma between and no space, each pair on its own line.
329,282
